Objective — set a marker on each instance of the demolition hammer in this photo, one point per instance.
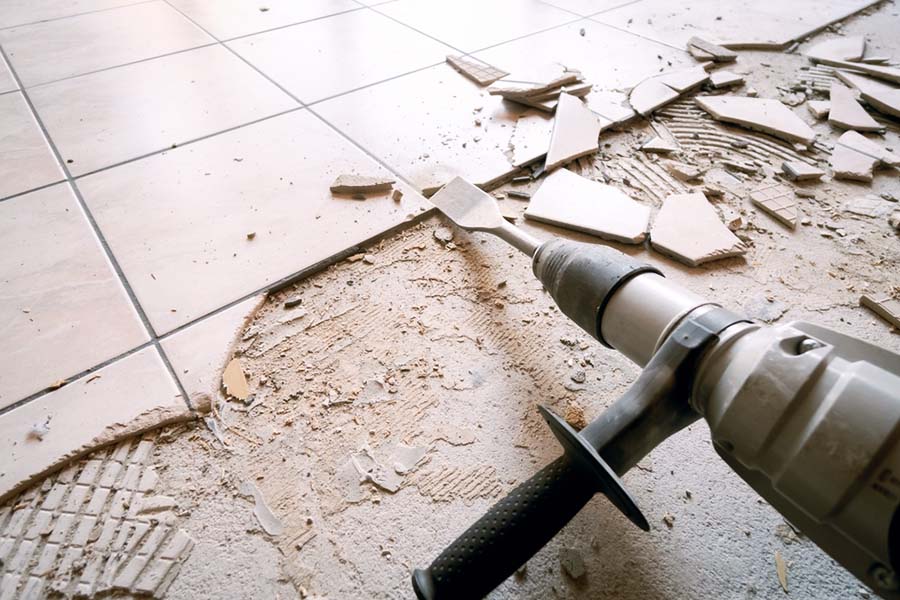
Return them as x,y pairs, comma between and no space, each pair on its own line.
809,417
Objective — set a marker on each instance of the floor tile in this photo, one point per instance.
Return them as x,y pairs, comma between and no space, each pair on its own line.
430,126
227,19
470,25
20,12
588,7
741,20
49,51
342,53
62,308
178,222
609,59
199,352
7,82
92,119
26,161
100,407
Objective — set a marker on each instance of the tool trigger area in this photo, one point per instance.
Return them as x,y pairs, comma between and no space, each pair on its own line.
581,453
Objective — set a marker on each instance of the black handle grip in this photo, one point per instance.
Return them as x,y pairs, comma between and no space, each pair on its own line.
511,532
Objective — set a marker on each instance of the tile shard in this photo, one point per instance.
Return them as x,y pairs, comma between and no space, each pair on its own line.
576,132
568,200
530,138
234,381
846,112
688,229
801,171
659,145
879,95
855,157
534,82
851,48
661,89
761,114
723,79
481,73
887,307
878,71
264,515
714,51
361,184
819,108
777,200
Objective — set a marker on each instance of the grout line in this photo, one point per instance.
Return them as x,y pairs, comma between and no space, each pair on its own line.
262,31
36,189
408,26
98,233
638,35
592,14
87,12
368,85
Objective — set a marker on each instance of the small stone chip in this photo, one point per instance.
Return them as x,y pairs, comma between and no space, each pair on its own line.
572,562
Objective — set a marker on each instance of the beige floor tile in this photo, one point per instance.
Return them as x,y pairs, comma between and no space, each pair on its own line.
49,51
425,125
343,52
102,406
470,25
62,307
178,222
7,83
26,161
199,352
227,19
588,7
741,20
20,12
92,119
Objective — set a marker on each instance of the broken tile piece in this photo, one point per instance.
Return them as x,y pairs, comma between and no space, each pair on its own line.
649,95
716,52
868,206
658,145
886,307
801,171
843,48
234,382
881,96
760,114
572,562
819,108
723,79
688,229
847,113
360,184
684,80
855,157
576,130
683,172
479,72
537,80
264,515
777,200
574,202
878,71
531,137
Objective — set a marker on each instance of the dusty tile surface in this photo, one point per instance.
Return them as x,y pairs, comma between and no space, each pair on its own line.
199,352
20,12
574,202
457,130
63,424
377,48
179,222
62,307
26,161
207,90
52,50
226,19
470,25
688,229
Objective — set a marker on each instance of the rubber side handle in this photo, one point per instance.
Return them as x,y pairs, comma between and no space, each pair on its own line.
511,532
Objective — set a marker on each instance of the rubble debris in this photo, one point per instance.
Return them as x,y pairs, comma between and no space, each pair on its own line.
855,157
669,520
572,562
589,206
760,114
850,48
39,430
894,220
544,82
703,50
777,200
764,308
443,234
373,391
518,194
397,195
659,145
804,193
878,71
887,307
800,171
531,137
781,571
867,206
656,91
404,459
481,73
455,436
264,515
576,131
234,381
819,108
740,167
846,112
882,97
574,416
371,471
688,229
293,302
683,172
724,79
361,184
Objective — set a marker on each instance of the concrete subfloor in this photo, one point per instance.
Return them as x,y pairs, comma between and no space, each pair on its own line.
464,345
